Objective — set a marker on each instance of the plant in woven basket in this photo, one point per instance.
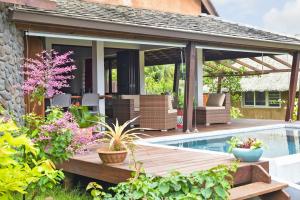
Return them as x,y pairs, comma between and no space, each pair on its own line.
119,139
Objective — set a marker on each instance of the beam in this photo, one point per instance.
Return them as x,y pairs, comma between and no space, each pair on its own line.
189,93
247,73
199,77
293,86
98,72
246,65
176,83
142,71
219,84
263,63
229,66
281,61
110,76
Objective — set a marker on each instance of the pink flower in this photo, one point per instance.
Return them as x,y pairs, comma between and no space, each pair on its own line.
49,72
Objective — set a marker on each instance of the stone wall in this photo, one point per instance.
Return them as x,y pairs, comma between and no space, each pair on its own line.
11,58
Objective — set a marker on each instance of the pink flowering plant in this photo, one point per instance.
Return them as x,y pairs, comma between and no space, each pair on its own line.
58,135
46,75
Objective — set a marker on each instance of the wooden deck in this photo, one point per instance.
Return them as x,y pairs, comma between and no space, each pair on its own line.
160,161
251,179
156,161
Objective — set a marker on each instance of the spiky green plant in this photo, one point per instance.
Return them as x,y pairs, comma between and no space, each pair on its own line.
120,137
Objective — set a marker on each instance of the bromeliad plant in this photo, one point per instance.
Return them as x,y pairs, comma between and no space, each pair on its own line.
119,140
209,184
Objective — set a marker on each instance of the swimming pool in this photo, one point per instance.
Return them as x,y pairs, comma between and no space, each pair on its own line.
280,141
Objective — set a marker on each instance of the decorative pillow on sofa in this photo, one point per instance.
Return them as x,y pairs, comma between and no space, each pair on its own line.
216,100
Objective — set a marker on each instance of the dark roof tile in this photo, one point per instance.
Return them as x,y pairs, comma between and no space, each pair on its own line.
141,17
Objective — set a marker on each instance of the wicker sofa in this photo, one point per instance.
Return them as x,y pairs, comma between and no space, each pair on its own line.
215,111
157,112
125,108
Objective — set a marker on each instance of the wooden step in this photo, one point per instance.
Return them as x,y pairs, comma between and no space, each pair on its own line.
255,190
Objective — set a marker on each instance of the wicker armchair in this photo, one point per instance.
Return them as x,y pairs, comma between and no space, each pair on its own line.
126,109
214,114
157,112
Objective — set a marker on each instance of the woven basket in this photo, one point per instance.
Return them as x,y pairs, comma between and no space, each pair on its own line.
112,157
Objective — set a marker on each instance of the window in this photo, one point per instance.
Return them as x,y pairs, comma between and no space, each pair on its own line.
274,99
249,98
261,99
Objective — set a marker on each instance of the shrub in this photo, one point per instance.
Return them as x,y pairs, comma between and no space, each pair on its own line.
20,169
209,184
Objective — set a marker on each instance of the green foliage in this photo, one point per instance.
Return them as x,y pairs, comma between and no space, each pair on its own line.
57,193
235,113
84,117
159,79
209,184
50,134
230,80
20,169
249,143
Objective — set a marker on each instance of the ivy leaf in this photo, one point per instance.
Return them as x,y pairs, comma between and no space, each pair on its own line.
138,194
221,192
206,193
164,188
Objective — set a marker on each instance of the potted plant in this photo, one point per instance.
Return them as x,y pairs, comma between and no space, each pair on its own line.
119,141
249,150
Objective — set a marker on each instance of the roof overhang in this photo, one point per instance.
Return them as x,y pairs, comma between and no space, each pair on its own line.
27,19
43,4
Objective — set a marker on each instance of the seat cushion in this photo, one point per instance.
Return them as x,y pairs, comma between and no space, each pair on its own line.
170,103
211,108
215,100
136,100
172,111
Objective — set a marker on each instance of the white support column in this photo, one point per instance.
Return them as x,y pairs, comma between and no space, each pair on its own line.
142,72
99,72
199,78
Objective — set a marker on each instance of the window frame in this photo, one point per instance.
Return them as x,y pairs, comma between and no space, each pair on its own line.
267,103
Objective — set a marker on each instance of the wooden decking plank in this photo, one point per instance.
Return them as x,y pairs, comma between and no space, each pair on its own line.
254,190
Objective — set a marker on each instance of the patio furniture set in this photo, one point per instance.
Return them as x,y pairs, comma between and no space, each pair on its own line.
153,111
157,111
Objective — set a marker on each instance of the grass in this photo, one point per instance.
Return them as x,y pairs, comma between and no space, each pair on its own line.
59,193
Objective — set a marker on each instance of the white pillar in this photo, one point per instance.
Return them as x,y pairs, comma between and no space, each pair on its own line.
99,72
142,72
199,78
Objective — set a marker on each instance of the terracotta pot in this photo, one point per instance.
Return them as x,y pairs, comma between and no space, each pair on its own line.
112,157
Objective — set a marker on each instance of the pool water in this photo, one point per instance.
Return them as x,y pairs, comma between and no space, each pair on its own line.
278,142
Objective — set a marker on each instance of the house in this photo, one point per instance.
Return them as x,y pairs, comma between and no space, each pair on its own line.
127,36
266,100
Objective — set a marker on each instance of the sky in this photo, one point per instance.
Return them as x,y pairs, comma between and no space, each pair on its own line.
282,16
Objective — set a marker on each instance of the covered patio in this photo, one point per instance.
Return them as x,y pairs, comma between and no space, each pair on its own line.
130,39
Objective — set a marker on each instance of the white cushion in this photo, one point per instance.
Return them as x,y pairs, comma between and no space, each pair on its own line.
136,100
136,109
215,100
170,104
211,108
172,111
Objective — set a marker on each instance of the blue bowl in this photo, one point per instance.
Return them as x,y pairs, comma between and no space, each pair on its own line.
247,155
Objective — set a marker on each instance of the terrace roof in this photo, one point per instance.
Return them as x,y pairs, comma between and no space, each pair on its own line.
203,28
